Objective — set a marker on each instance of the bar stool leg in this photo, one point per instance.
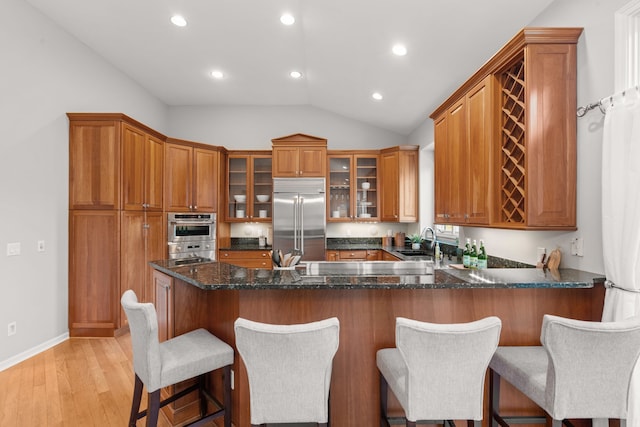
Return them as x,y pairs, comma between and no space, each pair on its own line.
135,405
384,421
153,408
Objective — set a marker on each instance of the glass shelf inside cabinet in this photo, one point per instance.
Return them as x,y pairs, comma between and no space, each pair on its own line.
237,203
367,190
262,187
339,187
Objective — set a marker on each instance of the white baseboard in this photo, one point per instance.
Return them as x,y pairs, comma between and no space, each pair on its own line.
33,351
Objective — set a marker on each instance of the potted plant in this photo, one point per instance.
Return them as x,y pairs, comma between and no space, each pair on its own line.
416,240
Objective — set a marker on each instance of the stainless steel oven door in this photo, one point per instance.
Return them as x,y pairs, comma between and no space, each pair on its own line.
191,227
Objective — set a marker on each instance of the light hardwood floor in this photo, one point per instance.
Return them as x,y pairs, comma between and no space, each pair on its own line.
81,382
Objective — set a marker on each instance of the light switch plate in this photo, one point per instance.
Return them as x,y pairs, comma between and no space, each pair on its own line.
13,249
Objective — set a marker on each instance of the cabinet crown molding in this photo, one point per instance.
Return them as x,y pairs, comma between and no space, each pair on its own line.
299,139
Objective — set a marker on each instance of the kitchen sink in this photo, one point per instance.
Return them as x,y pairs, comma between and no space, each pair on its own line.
368,268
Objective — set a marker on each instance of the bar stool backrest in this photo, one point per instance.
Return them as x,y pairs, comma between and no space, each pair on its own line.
446,365
289,369
143,324
590,366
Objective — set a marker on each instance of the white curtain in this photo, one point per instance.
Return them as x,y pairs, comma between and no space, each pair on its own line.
621,219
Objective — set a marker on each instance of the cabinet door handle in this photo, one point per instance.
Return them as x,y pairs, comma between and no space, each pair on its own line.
226,254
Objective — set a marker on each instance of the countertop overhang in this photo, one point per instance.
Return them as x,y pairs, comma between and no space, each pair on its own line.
214,275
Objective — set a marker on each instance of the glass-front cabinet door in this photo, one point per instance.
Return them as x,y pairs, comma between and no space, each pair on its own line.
250,188
262,188
339,200
366,172
352,187
238,191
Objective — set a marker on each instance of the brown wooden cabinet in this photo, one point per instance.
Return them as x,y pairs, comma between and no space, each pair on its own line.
399,184
463,159
299,156
521,105
192,177
142,240
353,255
386,256
249,259
115,217
163,287
94,161
352,186
94,272
142,167
249,174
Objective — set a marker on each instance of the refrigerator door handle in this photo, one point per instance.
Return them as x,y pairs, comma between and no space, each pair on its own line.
296,212
301,226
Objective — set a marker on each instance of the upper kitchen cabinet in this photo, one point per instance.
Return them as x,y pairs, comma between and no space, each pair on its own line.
94,161
399,184
142,166
191,176
463,157
299,156
352,186
250,186
112,155
519,107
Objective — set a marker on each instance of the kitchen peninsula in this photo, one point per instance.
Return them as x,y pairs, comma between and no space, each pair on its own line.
212,295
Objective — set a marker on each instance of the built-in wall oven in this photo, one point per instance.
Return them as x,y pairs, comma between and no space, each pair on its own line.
191,236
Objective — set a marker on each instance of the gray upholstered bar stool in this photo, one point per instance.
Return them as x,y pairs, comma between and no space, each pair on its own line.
437,371
158,365
581,371
289,369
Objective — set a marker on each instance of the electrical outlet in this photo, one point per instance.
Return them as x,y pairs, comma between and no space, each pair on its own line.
577,246
13,249
40,245
11,329
580,246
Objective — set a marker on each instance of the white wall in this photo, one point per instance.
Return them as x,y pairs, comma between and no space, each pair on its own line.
45,73
595,81
253,127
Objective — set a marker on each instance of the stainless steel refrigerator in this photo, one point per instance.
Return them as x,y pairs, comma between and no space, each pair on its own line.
299,217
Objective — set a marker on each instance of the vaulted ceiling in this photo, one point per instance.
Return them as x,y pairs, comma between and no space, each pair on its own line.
343,48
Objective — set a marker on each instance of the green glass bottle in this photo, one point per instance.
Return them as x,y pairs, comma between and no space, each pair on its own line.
465,254
482,257
473,255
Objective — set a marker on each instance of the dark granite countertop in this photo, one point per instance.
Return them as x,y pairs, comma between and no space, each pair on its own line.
215,275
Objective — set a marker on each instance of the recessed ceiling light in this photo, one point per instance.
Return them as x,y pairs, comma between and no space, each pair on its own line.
295,74
178,21
287,19
399,50
377,96
217,74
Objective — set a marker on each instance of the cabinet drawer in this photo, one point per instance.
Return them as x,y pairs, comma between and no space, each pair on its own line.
358,254
237,255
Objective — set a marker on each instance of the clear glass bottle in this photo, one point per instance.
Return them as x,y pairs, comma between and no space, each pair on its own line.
482,257
473,255
466,260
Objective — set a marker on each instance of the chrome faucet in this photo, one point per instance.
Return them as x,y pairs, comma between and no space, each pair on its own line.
432,245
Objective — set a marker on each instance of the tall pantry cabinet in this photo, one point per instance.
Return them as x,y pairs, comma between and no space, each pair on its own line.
115,217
